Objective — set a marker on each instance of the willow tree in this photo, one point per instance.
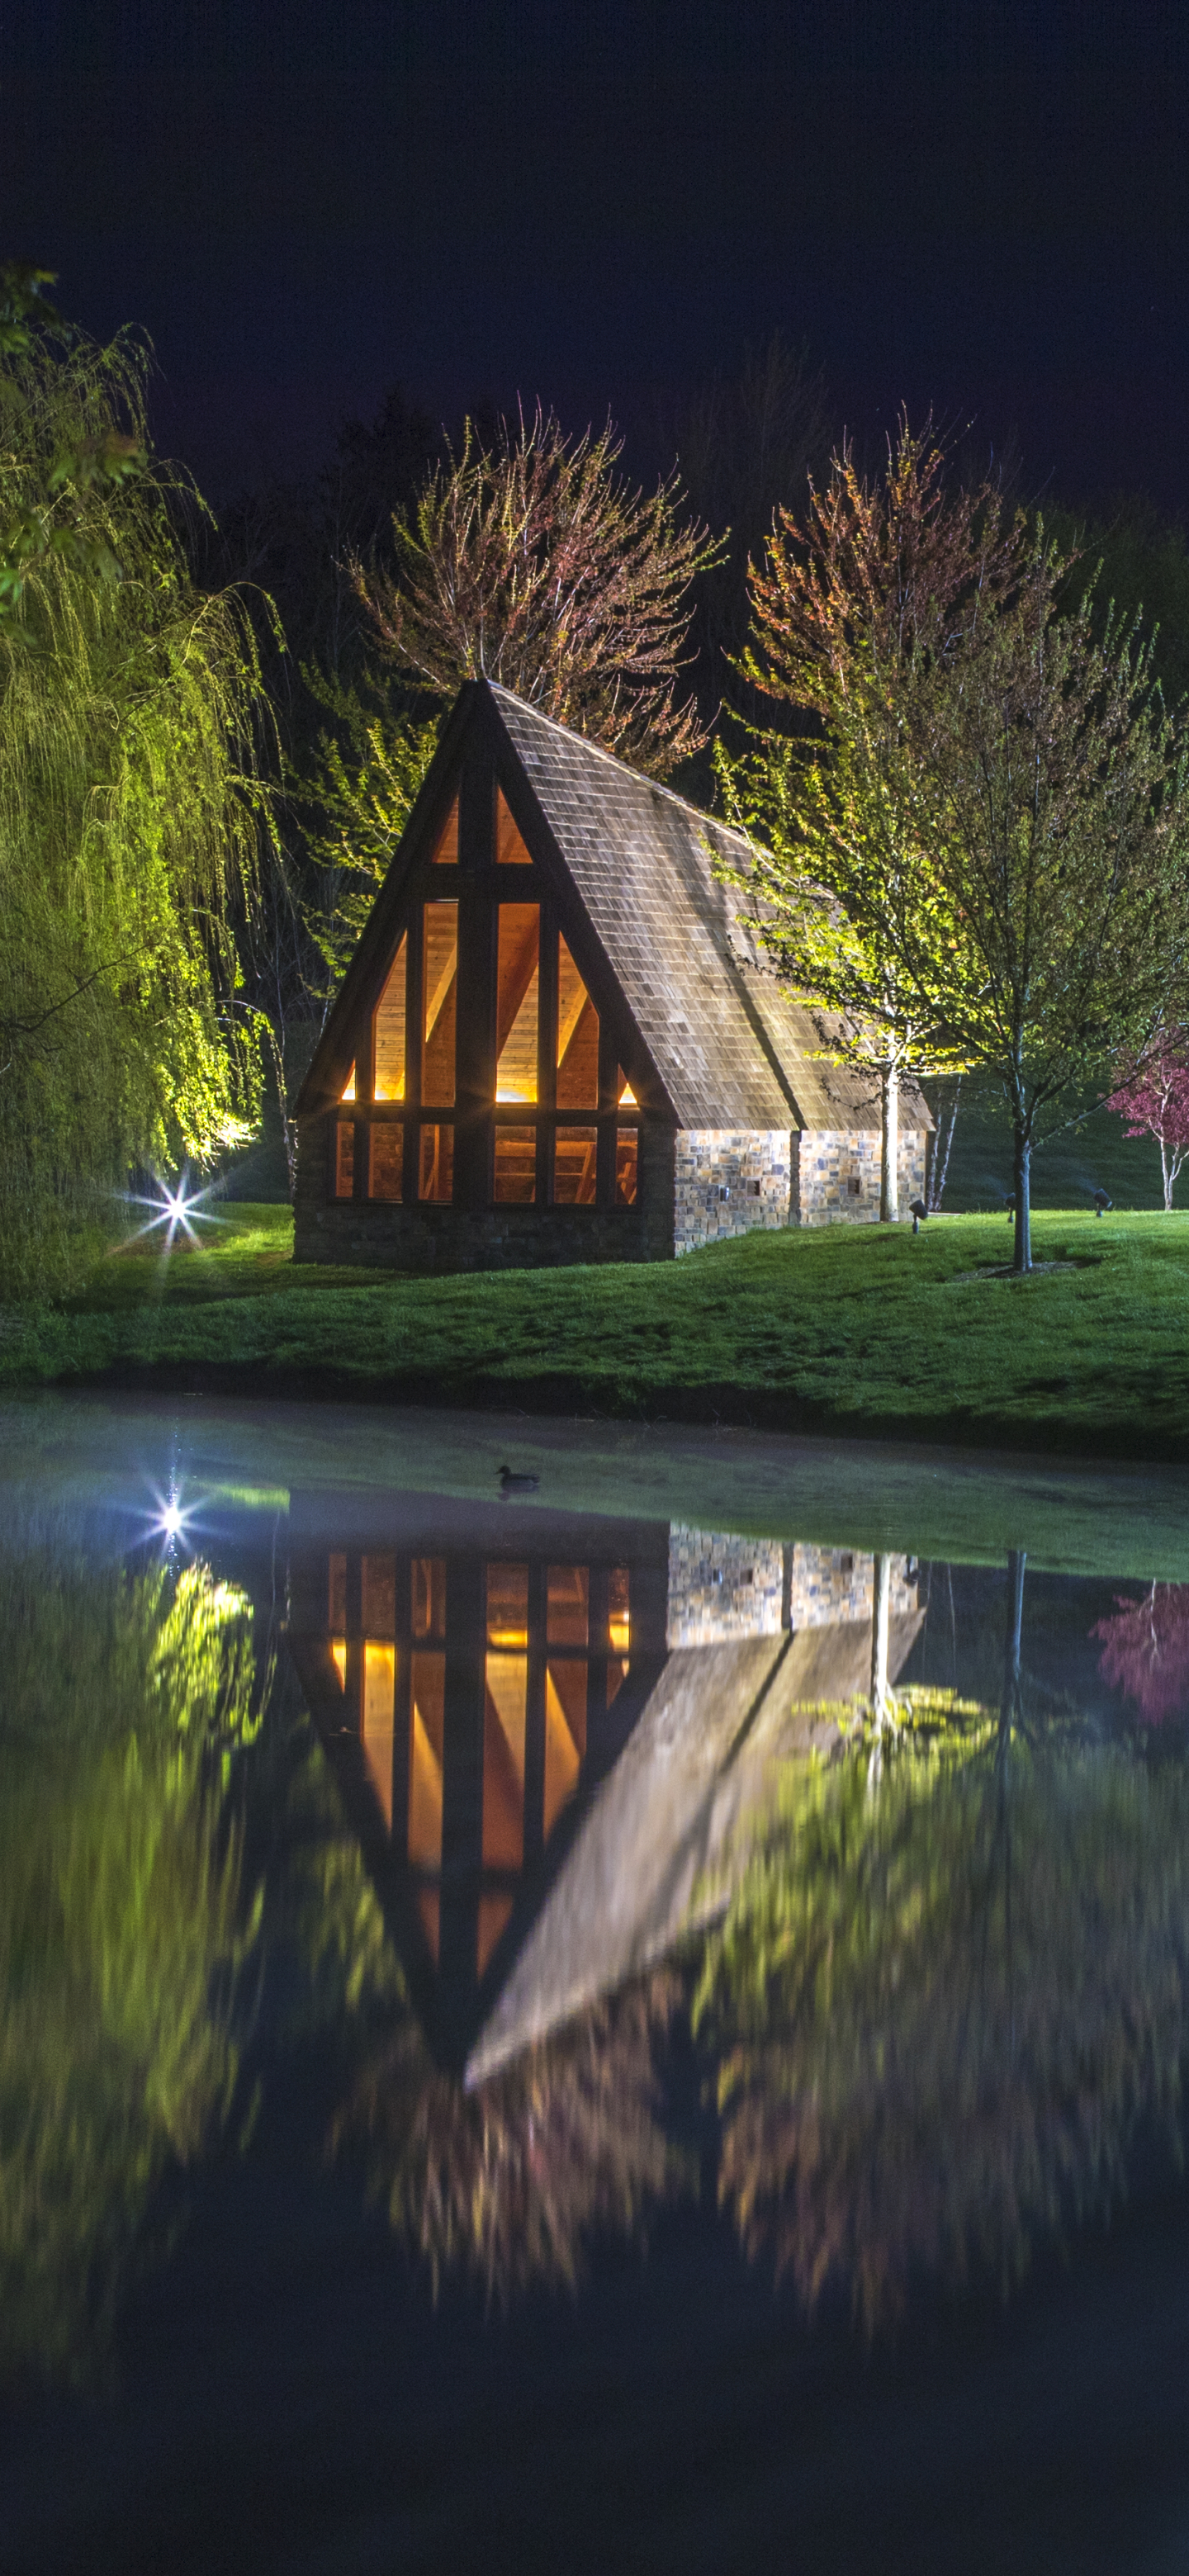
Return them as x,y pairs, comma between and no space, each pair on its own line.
131,803
848,608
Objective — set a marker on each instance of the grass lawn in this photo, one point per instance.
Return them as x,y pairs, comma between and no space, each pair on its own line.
854,1330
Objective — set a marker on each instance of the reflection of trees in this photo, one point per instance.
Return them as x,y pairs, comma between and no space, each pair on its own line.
506,2181
123,1924
1145,1650
939,2013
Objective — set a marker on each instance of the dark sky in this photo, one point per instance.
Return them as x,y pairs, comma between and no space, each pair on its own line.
975,203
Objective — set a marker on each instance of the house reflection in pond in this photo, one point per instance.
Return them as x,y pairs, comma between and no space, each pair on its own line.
546,1729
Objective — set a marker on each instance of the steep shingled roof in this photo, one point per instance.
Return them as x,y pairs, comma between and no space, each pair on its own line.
730,1050
727,1048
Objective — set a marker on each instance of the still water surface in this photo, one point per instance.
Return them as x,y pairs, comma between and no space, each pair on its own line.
633,2022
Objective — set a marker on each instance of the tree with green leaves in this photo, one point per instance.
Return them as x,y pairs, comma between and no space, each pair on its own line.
1051,795
131,806
849,607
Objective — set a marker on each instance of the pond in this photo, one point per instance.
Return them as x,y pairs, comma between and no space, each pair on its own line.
586,1996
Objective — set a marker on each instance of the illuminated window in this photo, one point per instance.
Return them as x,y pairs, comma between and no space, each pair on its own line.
575,1165
623,1090
577,1037
517,995
429,1597
618,1630
439,978
378,1588
565,1734
446,853
626,1165
516,1165
427,1719
506,1679
509,846
348,1090
567,1606
390,1030
435,1172
379,1688
344,1159
386,1160
494,1913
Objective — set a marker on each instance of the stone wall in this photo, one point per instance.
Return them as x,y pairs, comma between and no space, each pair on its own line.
420,1239
727,1181
722,1587
826,1585
836,1174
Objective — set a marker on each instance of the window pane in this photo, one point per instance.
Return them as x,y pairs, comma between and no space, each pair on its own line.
348,1090
516,1165
509,846
344,1159
503,1761
494,1913
427,1735
379,1596
429,1596
618,1630
446,853
626,1160
379,1684
435,1179
565,1735
338,1595
567,1611
516,1001
390,1030
575,1160
386,1160
507,1605
624,1093
439,979
577,1038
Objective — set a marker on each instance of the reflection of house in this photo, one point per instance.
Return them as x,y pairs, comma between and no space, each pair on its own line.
545,1728
555,1041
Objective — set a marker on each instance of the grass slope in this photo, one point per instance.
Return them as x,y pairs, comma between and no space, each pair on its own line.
851,1330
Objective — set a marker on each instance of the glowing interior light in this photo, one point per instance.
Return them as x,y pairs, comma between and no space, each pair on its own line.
627,1098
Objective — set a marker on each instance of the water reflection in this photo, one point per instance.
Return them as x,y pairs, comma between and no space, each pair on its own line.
537,1807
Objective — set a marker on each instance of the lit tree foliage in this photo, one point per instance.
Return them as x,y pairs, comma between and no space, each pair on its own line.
509,2180
847,609
1145,1651
130,809
942,2007
126,1925
1052,801
533,564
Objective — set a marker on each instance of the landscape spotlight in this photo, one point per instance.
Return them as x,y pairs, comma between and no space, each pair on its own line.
1102,1200
918,1212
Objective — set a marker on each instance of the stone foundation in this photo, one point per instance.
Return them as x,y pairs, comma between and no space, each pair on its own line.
836,1174
728,1181
829,1585
722,1587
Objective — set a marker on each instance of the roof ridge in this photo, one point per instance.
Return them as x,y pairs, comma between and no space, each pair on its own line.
640,777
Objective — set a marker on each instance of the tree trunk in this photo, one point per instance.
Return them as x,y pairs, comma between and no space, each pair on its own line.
1022,1253
889,1153
881,1591
940,1162
1167,1176
1010,1710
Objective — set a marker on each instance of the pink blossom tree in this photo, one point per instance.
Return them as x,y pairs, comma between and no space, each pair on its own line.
1145,1650
1155,1102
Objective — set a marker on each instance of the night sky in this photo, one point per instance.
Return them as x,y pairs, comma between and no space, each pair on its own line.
977,204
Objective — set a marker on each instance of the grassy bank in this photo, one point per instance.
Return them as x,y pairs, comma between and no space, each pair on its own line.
851,1330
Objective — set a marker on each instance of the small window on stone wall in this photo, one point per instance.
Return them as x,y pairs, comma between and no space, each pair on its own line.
386,1160
344,1159
855,1187
626,1165
575,1161
515,1166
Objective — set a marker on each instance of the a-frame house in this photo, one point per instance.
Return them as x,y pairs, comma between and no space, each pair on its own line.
556,1040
